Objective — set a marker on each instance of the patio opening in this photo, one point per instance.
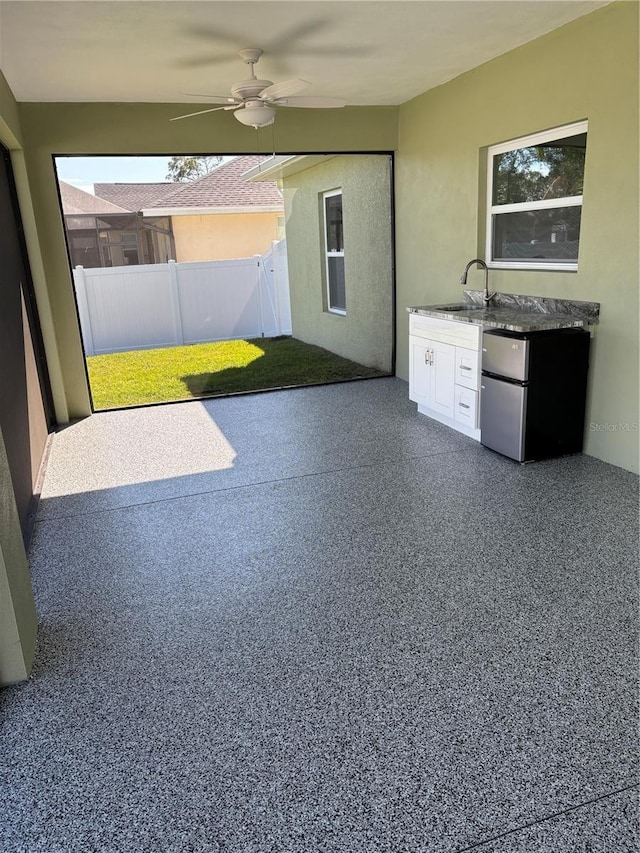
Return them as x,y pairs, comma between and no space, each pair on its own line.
198,276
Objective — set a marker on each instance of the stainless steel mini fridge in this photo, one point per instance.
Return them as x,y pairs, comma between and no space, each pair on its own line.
533,392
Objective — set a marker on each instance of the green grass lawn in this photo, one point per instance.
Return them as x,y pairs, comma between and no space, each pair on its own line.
180,373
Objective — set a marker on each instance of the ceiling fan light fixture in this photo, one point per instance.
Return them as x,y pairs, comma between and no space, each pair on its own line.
256,115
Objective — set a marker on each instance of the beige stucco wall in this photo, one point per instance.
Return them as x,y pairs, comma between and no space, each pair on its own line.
365,334
220,236
585,70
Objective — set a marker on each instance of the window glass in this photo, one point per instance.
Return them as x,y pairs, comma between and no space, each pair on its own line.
83,248
537,234
81,222
333,208
334,251
337,296
550,170
535,187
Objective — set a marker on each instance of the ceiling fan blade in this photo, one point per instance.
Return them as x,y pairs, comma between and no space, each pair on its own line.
216,99
212,34
313,103
202,112
283,90
298,32
202,61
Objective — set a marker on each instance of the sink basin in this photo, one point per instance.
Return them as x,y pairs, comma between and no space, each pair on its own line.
459,306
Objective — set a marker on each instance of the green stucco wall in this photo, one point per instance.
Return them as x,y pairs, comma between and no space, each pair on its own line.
10,132
585,70
365,334
18,624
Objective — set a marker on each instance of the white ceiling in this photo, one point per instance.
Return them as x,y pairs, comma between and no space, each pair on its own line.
368,51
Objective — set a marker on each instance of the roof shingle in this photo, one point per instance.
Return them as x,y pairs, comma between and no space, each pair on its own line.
224,187
133,197
76,202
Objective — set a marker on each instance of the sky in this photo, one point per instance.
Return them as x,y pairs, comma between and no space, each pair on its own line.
83,172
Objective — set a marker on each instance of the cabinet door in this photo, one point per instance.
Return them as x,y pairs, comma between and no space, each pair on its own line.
419,371
443,378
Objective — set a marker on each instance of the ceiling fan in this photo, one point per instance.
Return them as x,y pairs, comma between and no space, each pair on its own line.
254,100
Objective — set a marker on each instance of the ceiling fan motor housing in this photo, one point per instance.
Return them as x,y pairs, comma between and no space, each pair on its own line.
250,88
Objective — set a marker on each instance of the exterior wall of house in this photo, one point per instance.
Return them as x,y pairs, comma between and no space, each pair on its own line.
587,69
365,333
221,236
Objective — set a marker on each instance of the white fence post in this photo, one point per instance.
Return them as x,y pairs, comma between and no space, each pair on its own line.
276,295
281,287
175,301
259,280
83,310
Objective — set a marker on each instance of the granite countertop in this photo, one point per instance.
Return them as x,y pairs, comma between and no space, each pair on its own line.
514,312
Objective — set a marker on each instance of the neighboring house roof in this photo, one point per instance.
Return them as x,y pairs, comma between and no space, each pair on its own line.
222,191
76,202
132,196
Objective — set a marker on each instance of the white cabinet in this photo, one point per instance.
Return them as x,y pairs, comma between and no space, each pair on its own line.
444,371
433,374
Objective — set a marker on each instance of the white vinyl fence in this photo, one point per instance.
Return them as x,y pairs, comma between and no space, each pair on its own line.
164,305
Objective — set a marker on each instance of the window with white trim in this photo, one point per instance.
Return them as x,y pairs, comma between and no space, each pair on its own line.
334,252
535,199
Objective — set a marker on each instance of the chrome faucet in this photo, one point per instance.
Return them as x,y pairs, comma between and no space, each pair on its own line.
463,278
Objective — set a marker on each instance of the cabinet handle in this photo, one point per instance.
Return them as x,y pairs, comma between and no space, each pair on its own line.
464,406
463,367
426,356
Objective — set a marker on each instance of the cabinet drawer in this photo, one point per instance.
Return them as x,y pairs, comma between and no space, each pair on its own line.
445,331
467,368
466,406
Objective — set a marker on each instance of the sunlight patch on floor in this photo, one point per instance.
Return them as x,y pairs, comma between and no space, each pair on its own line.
123,448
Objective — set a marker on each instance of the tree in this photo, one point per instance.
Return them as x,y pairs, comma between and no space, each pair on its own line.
190,168
551,170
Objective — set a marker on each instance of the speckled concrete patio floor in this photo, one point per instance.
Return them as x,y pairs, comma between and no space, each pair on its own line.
314,620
